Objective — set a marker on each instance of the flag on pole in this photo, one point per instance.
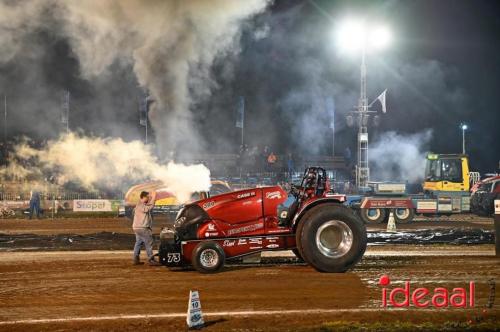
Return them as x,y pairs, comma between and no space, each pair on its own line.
330,110
240,113
381,98
65,108
143,110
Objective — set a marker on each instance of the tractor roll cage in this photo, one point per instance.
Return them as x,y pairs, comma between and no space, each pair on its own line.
314,178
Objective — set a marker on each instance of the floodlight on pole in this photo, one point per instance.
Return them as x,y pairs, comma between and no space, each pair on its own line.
464,127
380,37
354,36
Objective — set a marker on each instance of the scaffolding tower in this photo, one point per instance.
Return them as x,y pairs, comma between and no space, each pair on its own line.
362,167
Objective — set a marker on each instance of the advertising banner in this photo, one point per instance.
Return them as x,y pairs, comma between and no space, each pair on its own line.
95,205
15,205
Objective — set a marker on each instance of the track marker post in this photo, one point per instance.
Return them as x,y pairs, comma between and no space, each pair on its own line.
194,317
391,223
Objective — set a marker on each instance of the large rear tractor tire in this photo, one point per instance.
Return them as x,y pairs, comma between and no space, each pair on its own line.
208,257
331,238
373,216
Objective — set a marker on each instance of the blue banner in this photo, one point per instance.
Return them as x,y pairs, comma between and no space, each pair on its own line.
240,113
330,111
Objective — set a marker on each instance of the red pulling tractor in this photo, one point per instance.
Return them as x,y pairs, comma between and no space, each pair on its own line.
309,220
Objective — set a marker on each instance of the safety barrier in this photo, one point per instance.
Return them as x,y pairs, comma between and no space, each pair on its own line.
63,195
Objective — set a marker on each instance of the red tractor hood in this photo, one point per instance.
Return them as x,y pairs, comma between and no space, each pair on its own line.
244,205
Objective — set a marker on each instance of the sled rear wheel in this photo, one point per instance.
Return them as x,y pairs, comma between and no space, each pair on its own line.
373,216
403,215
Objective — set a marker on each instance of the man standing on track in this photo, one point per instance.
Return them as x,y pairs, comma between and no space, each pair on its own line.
143,227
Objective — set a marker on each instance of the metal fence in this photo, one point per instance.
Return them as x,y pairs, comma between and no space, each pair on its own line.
23,196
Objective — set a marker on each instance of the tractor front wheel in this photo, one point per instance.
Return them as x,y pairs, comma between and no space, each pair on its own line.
208,257
331,238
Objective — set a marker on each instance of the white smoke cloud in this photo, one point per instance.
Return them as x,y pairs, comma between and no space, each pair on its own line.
261,32
170,44
108,163
399,157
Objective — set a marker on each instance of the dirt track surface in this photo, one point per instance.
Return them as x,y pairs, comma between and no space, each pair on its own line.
91,290
116,233
123,225
101,290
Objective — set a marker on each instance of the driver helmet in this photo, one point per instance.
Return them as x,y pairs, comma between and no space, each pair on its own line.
311,177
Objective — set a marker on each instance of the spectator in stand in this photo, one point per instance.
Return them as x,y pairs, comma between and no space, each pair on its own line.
34,204
253,159
263,160
290,165
271,161
244,160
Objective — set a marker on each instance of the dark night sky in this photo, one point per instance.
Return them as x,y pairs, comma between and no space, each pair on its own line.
447,49
442,69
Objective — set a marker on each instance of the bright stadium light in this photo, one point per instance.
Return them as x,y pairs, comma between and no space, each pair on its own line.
355,35
380,37
352,35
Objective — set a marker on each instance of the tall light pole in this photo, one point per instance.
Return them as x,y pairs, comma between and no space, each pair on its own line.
464,127
65,110
355,36
362,168
330,111
143,112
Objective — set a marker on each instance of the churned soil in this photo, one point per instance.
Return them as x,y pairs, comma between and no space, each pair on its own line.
76,274
123,225
117,234
101,290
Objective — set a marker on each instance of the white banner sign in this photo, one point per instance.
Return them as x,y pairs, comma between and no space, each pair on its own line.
15,204
90,205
